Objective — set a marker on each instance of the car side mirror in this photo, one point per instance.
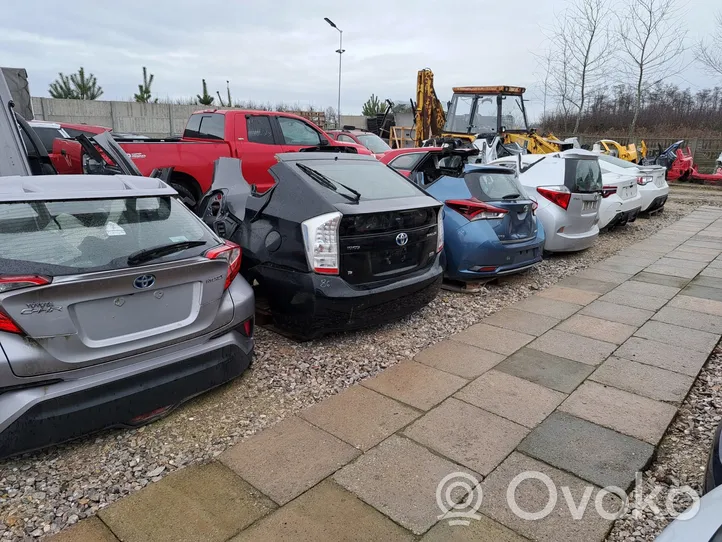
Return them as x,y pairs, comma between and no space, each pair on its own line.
323,141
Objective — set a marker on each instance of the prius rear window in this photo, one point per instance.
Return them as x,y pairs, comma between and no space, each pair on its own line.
68,237
372,179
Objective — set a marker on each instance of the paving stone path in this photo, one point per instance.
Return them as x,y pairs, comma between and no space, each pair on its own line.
576,384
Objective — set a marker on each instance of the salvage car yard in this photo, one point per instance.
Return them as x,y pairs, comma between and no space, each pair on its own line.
216,285
49,490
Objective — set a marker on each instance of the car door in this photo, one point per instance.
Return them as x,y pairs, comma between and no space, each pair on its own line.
258,144
298,134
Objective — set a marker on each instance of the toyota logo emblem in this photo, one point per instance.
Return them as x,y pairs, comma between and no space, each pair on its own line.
402,239
144,281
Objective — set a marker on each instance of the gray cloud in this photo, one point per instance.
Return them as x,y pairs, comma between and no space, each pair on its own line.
282,50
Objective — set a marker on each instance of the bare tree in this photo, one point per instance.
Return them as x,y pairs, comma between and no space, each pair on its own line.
652,43
561,80
710,54
587,36
579,54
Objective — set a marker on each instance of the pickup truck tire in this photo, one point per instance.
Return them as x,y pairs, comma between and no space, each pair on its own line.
184,185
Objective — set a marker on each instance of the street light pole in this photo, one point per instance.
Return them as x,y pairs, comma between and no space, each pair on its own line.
340,52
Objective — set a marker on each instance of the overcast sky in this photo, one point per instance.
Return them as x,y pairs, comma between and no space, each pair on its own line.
283,51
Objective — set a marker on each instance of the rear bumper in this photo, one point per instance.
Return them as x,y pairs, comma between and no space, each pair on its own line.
308,305
554,219
623,217
36,417
653,196
655,204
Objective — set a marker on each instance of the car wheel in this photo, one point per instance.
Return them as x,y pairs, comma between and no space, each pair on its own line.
186,196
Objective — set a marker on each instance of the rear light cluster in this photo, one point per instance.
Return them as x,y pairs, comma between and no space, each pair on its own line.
231,253
14,283
642,181
608,191
321,240
440,231
559,195
473,209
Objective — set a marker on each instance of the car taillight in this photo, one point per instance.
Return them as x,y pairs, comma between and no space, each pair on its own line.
559,195
474,209
231,253
641,181
8,283
440,231
608,191
246,327
321,240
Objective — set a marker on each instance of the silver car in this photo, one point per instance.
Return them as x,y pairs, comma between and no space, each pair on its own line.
567,187
117,304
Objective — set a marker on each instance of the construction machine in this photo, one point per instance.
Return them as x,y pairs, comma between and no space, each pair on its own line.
492,118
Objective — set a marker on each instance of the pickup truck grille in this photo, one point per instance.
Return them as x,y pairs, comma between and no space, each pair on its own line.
370,257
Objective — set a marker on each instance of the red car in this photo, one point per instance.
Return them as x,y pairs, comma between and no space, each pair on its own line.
253,136
361,137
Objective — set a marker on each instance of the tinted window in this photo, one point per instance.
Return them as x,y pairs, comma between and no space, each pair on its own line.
371,178
206,126
345,138
373,143
47,136
583,175
66,237
493,186
406,161
259,129
296,132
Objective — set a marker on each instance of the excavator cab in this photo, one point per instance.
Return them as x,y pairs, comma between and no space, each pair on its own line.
485,112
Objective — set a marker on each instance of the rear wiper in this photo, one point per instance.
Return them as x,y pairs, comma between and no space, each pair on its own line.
321,179
511,196
152,253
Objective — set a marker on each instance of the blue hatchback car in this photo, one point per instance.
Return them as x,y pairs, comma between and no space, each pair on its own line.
490,227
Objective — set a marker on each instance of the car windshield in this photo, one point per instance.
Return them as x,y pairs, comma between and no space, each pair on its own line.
370,178
68,237
493,185
616,161
373,143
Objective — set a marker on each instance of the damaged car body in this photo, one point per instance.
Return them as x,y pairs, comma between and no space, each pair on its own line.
117,304
340,242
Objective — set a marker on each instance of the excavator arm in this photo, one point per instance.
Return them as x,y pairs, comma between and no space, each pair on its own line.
429,117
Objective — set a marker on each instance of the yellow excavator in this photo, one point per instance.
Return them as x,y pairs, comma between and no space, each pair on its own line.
495,113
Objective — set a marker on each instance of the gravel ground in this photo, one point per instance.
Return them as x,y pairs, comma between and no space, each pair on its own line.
681,459
44,492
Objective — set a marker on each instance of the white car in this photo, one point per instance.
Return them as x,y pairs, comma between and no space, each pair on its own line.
651,180
704,525
621,200
566,186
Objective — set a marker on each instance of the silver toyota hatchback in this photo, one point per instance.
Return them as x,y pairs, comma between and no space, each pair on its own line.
117,304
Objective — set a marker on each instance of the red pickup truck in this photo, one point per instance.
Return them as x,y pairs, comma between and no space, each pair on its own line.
253,136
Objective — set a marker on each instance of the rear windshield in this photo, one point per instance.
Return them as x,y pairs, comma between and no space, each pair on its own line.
68,237
493,186
205,126
372,179
616,161
373,143
583,175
